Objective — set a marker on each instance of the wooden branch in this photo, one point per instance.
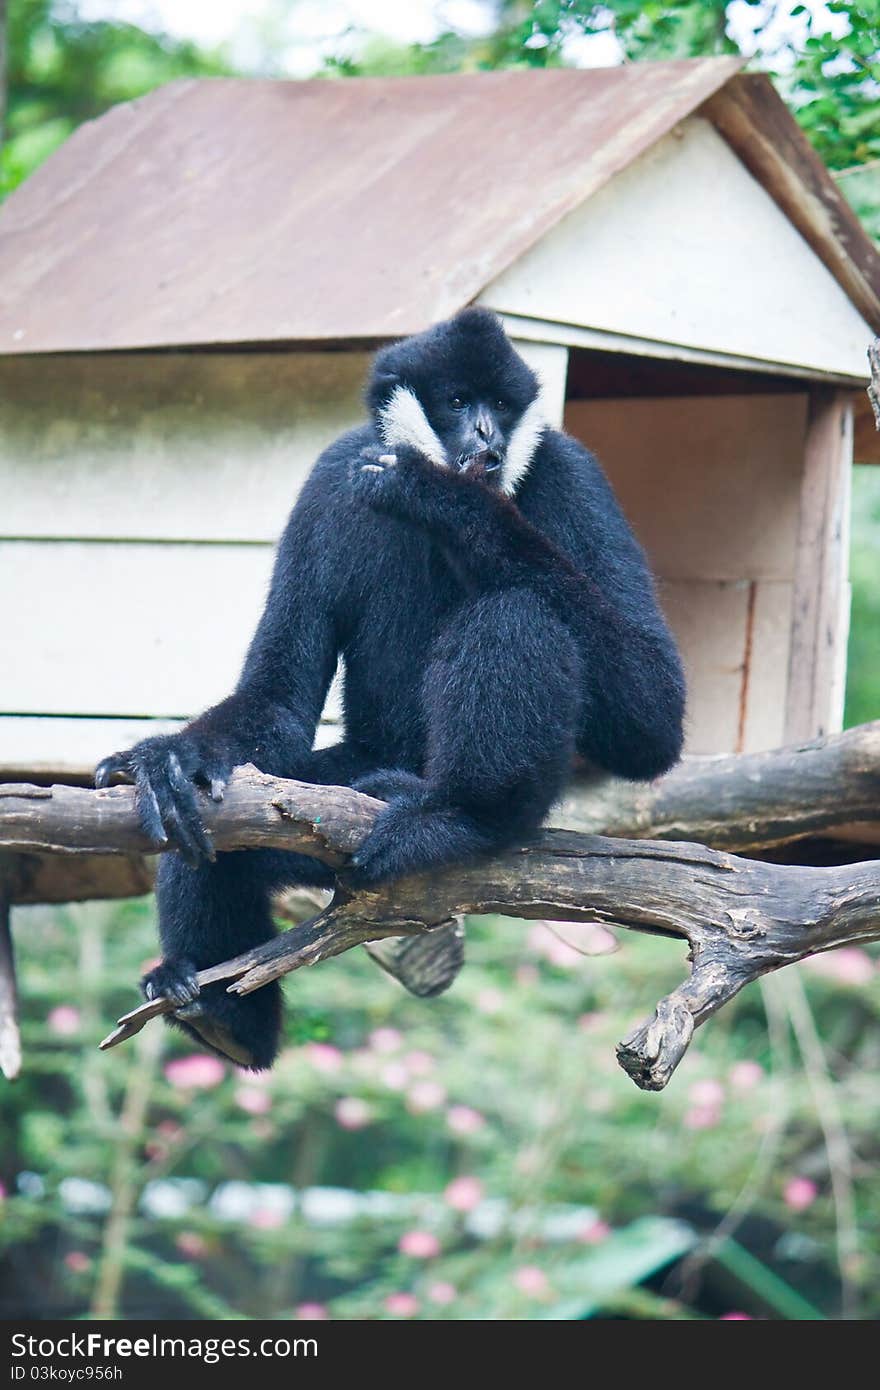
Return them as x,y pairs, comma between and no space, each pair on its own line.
743,801
874,384
740,918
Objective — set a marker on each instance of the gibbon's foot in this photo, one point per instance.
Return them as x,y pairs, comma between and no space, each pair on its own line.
408,838
389,784
173,979
238,1030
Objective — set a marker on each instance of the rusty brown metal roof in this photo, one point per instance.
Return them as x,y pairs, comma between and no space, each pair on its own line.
236,211
231,211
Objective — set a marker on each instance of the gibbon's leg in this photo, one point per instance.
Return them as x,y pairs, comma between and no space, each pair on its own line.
218,910
632,719
501,697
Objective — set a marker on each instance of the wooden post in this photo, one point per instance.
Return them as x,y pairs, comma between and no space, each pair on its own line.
820,610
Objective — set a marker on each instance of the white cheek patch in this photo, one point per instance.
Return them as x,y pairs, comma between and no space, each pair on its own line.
402,420
523,442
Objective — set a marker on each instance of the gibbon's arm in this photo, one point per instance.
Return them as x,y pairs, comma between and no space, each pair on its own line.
271,717
485,537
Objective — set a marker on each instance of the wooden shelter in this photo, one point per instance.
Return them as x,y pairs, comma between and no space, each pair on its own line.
191,287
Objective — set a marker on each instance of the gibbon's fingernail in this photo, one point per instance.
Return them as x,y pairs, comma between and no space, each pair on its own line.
372,468
216,789
388,458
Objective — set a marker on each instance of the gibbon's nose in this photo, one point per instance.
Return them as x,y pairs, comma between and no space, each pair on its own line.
484,426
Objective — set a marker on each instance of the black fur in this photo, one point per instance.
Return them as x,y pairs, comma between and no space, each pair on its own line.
485,641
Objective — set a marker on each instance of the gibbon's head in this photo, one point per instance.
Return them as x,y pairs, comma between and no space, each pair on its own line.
462,396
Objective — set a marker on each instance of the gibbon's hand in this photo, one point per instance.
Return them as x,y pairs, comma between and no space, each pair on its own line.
166,771
386,478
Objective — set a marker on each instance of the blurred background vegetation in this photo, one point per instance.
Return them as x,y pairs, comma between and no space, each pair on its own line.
481,1155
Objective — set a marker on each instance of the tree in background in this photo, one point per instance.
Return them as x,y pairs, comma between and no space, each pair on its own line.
61,71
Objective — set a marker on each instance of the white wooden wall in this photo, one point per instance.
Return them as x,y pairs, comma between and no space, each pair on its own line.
712,486
140,499
685,247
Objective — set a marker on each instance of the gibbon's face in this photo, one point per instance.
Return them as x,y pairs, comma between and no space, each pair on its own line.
463,397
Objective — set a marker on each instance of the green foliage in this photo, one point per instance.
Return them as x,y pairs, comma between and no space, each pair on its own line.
62,71
834,86
586,1189
863,660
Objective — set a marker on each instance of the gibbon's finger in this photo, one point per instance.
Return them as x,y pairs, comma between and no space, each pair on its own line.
179,991
187,806
371,468
148,808
108,768
215,786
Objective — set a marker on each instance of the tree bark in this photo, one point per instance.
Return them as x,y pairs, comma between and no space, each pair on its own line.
741,918
745,802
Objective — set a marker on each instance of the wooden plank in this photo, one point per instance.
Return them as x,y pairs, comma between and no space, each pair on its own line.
41,749
753,118
685,246
550,362
709,621
50,748
137,629
765,667
866,436
711,484
818,644
183,446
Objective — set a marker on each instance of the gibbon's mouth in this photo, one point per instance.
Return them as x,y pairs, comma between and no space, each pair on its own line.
486,460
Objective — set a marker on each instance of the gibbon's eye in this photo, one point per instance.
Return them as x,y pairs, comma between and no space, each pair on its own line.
457,401
500,405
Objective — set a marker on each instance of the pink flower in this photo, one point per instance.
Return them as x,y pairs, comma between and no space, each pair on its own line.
402,1305
594,1233
77,1261
395,1076
441,1292
312,1312
324,1056
253,1099
421,1245
352,1113
736,1317
266,1219
800,1193
463,1194
543,943
701,1117
461,1119
385,1040
419,1063
2,1192
848,965
64,1020
707,1093
526,975
199,1071
531,1280
191,1244
490,1001
423,1096
745,1076
588,1023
